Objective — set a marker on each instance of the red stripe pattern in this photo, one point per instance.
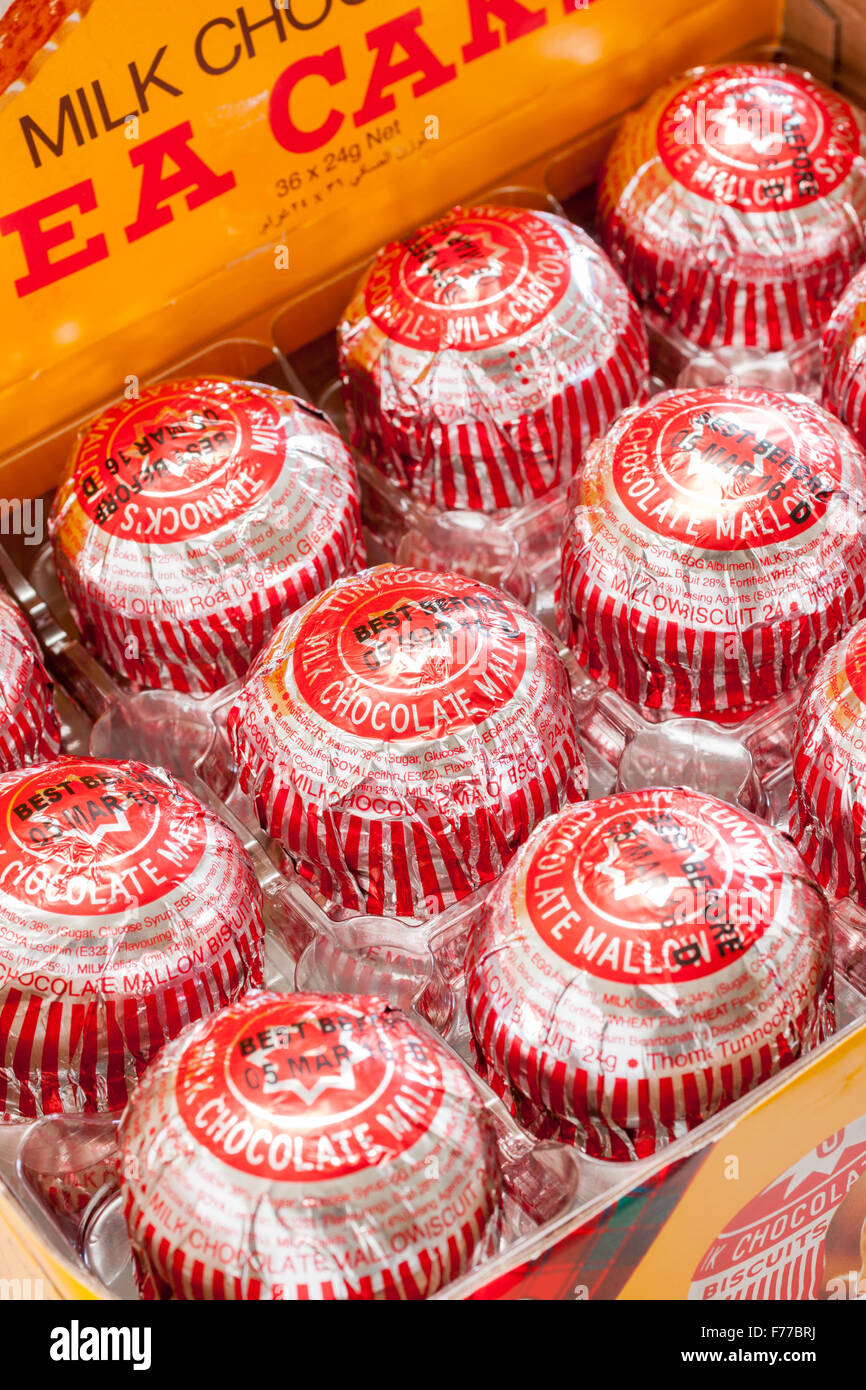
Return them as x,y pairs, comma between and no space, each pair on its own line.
400,788
828,748
132,924
29,727
714,550
481,391
844,358
733,203
366,1169
645,960
183,581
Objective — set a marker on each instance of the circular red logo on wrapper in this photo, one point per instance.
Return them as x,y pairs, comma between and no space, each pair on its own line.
185,460
474,279
724,472
291,1093
393,658
86,838
756,141
642,889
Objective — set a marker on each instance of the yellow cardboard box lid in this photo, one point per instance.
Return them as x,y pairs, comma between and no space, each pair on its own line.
170,170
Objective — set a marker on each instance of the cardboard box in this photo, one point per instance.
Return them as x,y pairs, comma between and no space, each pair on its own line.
767,1202
177,174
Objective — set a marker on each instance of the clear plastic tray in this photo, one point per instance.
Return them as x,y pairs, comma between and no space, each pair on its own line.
417,966
75,1202
187,734
64,1171
517,549
678,363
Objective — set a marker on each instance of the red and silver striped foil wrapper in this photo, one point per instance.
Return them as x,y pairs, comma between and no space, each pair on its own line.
480,355
127,909
306,1147
401,737
714,550
191,521
29,727
646,959
733,202
844,349
828,747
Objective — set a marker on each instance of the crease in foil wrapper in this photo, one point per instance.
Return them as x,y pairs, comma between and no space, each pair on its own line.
828,749
843,382
481,354
307,1146
29,725
191,521
127,909
400,768
645,960
714,550
733,202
